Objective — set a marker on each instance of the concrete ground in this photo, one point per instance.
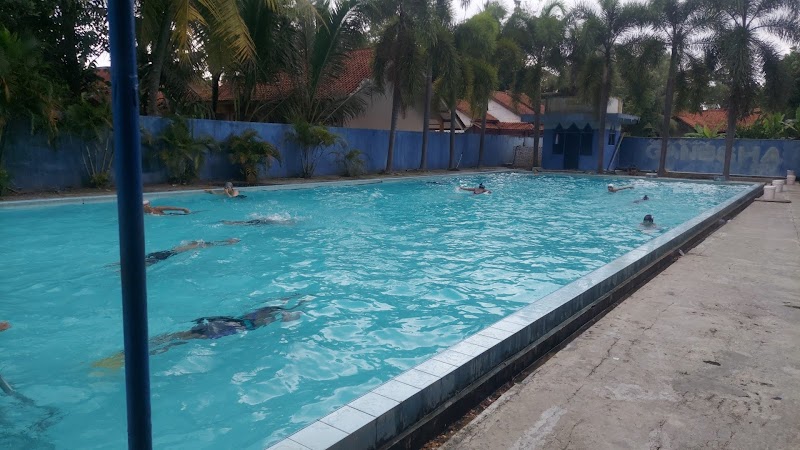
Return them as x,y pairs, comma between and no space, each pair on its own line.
706,355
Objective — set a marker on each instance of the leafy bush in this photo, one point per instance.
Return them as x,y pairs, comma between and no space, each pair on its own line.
90,120
351,162
769,126
705,132
181,153
313,140
249,152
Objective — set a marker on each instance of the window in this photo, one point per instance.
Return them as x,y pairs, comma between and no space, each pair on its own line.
612,136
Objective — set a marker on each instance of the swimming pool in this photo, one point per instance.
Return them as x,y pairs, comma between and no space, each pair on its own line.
391,272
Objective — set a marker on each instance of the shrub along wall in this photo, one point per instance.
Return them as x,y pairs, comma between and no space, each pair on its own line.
35,164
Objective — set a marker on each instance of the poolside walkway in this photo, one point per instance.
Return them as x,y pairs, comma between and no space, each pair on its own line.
706,355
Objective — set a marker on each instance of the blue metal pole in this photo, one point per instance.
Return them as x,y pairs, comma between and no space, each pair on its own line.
128,171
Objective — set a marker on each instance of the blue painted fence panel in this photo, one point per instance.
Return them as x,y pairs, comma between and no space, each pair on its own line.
751,157
35,164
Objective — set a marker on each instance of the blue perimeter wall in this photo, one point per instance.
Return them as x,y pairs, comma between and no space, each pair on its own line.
35,164
751,157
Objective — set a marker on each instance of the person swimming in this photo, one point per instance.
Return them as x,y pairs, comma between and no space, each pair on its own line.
161,255
228,191
476,190
611,188
213,327
648,222
259,221
643,199
162,210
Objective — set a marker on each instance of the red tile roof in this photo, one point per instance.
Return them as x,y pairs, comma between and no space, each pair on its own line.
506,99
504,128
359,68
463,106
715,119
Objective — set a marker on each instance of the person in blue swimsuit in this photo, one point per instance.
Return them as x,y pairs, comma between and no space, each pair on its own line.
213,327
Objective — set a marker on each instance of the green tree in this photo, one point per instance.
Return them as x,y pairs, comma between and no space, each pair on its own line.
541,39
250,153
399,57
441,59
168,25
744,52
321,50
676,23
27,93
606,28
181,153
89,120
313,141
476,40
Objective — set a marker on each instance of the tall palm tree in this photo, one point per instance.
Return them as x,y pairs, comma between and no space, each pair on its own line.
607,27
541,38
168,24
744,52
476,40
675,23
399,57
321,50
440,57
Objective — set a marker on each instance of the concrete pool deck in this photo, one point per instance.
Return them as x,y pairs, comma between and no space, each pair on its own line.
705,355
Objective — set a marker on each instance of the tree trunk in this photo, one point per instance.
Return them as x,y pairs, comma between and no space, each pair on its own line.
215,93
537,123
393,127
730,135
668,98
453,118
483,134
601,135
159,55
69,47
426,119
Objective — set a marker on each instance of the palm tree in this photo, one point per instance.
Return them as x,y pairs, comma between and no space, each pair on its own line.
321,50
168,24
399,57
441,58
476,40
607,28
744,53
541,39
675,23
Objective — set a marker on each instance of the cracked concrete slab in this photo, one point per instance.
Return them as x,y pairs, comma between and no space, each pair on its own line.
706,355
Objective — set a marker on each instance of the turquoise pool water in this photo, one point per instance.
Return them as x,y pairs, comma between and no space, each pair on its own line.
389,274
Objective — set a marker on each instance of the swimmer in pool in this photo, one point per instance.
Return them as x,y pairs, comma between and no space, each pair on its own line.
213,327
611,188
262,221
476,190
643,199
228,191
152,258
648,223
4,326
162,210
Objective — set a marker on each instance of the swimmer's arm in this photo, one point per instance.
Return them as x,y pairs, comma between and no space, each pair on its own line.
467,188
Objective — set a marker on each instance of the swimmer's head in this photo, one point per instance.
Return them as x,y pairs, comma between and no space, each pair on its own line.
610,187
645,198
228,185
145,202
480,186
648,219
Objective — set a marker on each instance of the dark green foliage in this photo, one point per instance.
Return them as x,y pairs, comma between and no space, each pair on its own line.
249,152
313,141
90,121
350,161
181,153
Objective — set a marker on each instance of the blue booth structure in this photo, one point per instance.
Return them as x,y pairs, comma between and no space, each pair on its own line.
571,128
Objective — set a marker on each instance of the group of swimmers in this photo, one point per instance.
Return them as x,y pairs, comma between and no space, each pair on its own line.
648,221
